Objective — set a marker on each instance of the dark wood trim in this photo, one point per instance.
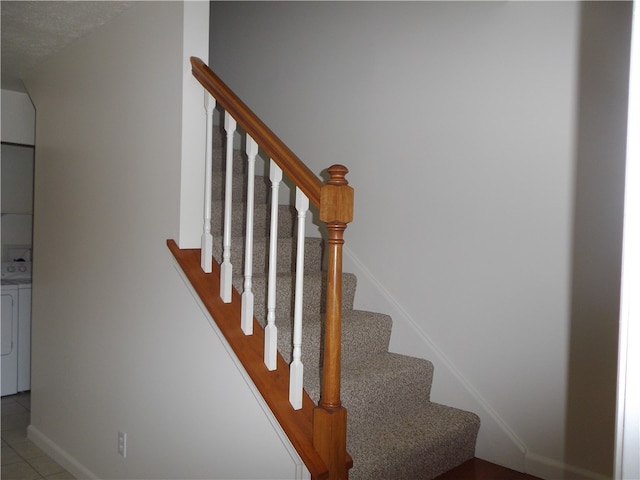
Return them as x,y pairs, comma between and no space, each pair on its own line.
290,164
477,469
272,385
15,144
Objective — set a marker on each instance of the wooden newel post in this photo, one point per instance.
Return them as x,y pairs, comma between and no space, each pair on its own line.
330,417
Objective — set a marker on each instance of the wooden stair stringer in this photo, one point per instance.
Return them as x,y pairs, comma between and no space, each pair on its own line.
272,385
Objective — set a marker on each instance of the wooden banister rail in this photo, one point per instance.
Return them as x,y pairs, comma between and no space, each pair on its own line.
335,203
290,164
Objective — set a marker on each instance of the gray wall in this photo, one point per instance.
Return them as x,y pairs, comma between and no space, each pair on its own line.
480,136
597,233
17,201
119,344
18,123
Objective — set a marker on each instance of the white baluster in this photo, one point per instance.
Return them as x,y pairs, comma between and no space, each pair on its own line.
206,241
271,331
226,269
296,367
246,321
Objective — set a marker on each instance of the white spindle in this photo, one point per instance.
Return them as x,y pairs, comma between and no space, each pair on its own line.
226,269
296,367
246,321
206,241
271,331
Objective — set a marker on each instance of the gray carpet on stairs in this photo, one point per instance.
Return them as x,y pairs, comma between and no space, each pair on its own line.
394,431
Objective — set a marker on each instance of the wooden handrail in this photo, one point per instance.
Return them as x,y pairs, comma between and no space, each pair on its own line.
335,203
290,164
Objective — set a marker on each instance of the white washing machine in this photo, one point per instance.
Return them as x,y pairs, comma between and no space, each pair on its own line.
15,335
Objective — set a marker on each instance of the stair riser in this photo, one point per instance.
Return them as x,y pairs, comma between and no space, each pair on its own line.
261,225
427,464
220,163
368,397
314,293
286,254
419,445
361,339
262,189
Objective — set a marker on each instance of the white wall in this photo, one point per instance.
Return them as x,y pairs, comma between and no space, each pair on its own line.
461,128
119,344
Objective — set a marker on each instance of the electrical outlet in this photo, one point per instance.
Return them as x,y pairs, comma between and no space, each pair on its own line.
122,444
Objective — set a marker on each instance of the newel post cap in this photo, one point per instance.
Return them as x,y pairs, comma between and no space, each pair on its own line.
336,197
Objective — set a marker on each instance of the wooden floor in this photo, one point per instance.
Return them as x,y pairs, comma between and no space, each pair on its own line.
477,469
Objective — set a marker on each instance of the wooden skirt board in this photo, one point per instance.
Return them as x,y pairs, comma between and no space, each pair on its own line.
476,469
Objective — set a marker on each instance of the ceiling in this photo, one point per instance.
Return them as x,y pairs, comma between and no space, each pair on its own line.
33,31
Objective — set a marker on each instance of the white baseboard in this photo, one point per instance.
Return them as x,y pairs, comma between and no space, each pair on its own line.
48,446
544,467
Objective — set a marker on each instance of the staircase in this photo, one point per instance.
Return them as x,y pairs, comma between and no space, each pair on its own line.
394,431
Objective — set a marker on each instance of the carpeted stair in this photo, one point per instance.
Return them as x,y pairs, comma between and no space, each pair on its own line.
394,431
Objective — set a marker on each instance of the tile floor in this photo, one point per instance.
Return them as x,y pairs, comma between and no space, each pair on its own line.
22,459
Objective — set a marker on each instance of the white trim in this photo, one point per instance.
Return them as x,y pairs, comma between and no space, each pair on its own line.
51,448
544,467
195,42
627,449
